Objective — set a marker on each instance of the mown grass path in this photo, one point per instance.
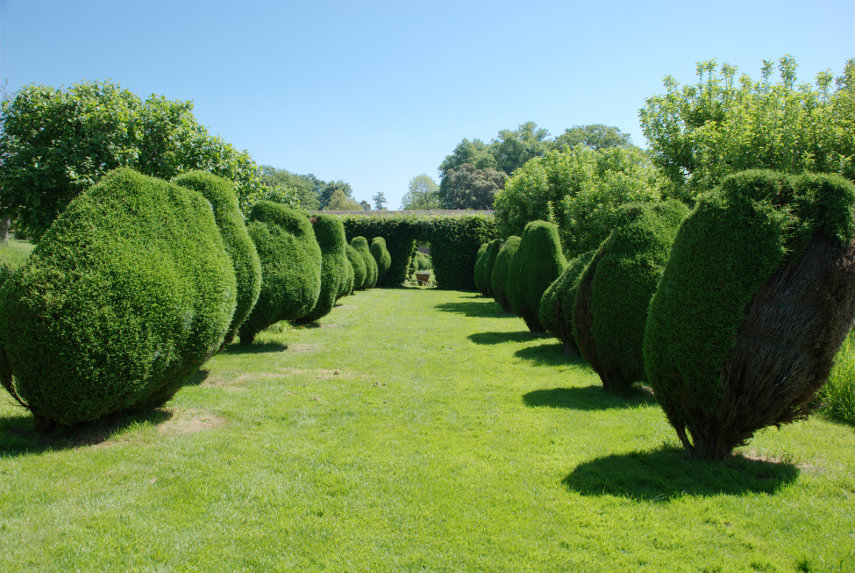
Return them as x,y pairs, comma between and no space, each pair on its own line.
416,430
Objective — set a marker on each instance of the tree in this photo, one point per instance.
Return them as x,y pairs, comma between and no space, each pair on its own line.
55,143
379,201
596,136
338,201
470,188
330,188
306,188
474,152
423,194
365,205
514,148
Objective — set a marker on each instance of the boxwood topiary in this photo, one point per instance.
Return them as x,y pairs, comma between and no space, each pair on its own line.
556,306
361,246
357,262
329,233
478,270
381,257
487,268
125,296
499,275
290,267
755,301
536,264
221,194
347,285
615,289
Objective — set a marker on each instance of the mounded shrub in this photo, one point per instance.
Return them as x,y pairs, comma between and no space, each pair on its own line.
615,289
329,233
536,264
124,297
421,261
757,297
347,285
487,268
478,269
221,194
361,246
556,306
290,267
381,257
357,263
499,275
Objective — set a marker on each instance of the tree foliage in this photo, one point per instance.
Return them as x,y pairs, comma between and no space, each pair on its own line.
596,136
422,194
470,188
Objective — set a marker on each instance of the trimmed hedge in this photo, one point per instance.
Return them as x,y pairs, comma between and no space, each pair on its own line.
615,289
221,194
124,297
556,306
357,265
536,264
489,261
478,270
329,233
381,257
501,268
755,301
361,246
290,267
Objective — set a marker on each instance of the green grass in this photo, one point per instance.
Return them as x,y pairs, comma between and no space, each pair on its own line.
14,252
837,397
416,430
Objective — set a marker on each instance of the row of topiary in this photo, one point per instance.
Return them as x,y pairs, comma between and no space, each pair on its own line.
732,312
140,280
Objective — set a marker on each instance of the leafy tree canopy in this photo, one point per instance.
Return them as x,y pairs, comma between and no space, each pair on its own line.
470,188
379,201
423,194
338,201
596,136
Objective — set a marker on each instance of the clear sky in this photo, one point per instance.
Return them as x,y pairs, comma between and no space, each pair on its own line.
377,92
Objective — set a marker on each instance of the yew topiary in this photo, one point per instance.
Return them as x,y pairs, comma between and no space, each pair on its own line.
290,267
221,194
615,289
536,264
347,285
361,246
499,274
487,268
124,297
357,263
478,271
381,257
755,301
329,233
556,306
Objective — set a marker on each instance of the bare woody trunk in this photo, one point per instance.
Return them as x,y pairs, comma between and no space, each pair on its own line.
5,225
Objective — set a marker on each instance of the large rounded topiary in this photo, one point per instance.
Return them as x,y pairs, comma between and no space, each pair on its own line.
556,305
357,263
221,194
125,296
499,274
536,264
757,297
615,289
381,257
361,246
329,233
478,271
290,267
490,254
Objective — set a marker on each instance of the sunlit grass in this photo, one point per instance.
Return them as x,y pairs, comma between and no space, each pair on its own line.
14,252
837,398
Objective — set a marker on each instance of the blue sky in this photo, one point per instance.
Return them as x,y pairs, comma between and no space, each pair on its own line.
377,92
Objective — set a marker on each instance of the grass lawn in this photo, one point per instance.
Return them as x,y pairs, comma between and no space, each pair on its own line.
416,430
14,252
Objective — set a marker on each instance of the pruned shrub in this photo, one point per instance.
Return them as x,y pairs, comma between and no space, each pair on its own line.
536,264
478,269
757,297
421,262
329,233
347,284
487,268
556,306
381,257
361,246
501,268
125,296
357,263
290,267
615,289
221,194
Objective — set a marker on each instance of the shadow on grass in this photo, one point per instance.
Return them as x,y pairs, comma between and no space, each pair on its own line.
480,308
669,473
18,435
197,378
549,354
257,348
589,398
500,337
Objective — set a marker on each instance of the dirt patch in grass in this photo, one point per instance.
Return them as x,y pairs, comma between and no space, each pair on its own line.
303,348
190,420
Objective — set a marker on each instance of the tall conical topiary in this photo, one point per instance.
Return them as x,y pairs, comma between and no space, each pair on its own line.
361,246
487,268
478,271
381,257
221,194
615,289
499,274
556,306
329,233
124,297
290,267
357,263
536,264
756,299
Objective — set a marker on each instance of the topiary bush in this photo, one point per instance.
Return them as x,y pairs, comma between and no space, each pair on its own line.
421,262
347,285
536,264
501,268
556,305
125,296
290,267
329,233
755,301
357,263
361,246
221,194
478,270
615,289
487,269
381,257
